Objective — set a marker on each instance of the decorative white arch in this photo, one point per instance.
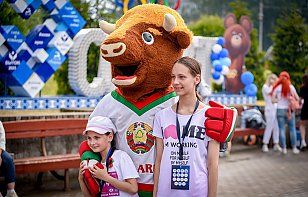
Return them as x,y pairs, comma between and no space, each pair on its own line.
77,67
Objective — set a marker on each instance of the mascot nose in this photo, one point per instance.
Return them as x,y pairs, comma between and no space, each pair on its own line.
113,50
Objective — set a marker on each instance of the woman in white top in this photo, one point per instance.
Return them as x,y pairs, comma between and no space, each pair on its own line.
270,115
185,166
281,94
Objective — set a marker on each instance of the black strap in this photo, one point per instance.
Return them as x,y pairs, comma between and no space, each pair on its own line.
185,129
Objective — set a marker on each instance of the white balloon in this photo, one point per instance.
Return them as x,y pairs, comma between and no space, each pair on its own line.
225,70
216,48
220,80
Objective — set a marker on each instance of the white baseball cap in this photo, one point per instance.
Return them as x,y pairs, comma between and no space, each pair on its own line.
100,125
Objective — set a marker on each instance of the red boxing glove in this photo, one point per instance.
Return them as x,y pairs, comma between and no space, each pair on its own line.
91,182
220,122
83,147
86,154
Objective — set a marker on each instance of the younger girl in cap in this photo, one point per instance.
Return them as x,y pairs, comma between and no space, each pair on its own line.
118,176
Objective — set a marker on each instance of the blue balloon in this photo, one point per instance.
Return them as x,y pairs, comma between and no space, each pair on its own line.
216,62
247,78
221,41
251,89
214,56
225,61
223,53
130,3
216,75
218,67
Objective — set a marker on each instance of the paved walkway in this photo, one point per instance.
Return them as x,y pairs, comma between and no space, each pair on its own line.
247,172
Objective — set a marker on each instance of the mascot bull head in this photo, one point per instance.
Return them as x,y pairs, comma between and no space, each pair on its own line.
142,47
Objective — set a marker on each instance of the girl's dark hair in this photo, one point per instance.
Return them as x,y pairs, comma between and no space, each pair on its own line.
305,80
113,145
194,67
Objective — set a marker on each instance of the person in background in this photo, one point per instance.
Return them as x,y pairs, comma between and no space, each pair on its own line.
281,93
303,93
270,115
7,168
187,159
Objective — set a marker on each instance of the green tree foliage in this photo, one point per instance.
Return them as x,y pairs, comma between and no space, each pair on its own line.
61,76
103,10
209,26
253,58
239,8
290,46
8,16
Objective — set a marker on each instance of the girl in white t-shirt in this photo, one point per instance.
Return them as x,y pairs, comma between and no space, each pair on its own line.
185,165
281,93
120,179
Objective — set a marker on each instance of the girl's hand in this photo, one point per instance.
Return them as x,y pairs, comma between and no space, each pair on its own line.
101,174
83,166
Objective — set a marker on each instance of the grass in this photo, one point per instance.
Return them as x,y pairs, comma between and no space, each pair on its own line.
50,88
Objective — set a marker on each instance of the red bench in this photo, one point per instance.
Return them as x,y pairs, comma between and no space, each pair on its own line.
247,131
44,129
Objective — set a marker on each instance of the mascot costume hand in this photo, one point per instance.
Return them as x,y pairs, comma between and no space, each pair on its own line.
91,159
220,122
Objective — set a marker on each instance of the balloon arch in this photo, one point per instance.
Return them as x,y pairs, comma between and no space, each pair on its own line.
221,62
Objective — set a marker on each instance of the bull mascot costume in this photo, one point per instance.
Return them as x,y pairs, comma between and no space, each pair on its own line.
142,47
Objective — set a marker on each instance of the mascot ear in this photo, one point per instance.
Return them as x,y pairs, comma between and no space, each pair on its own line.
230,20
246,23
183,37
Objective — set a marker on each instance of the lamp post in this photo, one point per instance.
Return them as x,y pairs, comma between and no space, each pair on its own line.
261,25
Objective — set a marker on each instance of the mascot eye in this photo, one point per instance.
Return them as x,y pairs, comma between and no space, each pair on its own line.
147,38
233,33
240,34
